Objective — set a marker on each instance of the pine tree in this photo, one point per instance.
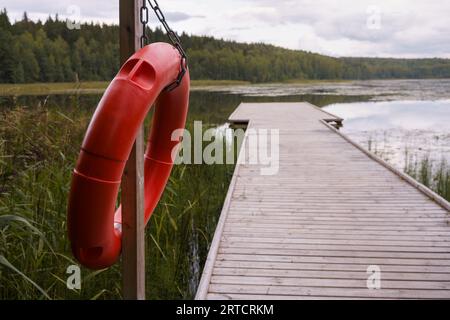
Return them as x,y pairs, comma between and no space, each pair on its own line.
7,57
35,51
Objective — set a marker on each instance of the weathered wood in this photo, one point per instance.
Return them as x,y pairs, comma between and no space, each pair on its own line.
371,247
366,261
343,233
317,267
133,244
380,241
333,209
327,274
321,282
324,292
298,252
233,296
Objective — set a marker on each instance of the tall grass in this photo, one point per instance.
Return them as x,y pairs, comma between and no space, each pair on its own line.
87,87
38,150
435,175
430,172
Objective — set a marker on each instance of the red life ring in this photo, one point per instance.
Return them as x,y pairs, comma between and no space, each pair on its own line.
94,229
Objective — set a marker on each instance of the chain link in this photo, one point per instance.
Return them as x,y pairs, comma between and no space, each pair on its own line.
173,37
144,22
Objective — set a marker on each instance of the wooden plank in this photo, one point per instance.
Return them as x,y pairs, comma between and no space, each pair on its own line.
332,210
317,267
347,223
381,241
293,212
332,259
133,242
373,238
336,253
270,218
306,219
326,231
329,292
327,274
371,246
330,282
233,296
352,212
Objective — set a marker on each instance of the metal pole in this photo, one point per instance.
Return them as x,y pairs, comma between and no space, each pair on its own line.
133,244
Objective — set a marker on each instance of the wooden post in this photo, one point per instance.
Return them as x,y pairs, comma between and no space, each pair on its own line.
133,245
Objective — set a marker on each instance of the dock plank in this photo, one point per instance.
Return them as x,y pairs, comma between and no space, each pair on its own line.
332,210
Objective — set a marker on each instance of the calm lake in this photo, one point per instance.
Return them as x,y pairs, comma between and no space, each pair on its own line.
403,121
401,132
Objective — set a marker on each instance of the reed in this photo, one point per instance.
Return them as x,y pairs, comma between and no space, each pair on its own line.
433,174
38,150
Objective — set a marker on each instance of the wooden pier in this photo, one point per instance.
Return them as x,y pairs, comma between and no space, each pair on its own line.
333,213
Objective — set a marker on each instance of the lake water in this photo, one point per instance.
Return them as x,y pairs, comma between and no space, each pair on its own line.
402,132
403,121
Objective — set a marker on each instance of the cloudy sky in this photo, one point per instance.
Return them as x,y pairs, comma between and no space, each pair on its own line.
381,28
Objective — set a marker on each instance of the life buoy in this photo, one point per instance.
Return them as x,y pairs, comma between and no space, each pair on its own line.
93,224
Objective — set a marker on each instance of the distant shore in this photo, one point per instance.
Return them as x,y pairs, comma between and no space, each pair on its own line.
89,87
97,87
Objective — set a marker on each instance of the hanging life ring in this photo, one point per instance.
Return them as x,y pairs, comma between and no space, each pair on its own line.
94,229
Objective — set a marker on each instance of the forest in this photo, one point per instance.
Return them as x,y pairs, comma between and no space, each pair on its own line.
50,52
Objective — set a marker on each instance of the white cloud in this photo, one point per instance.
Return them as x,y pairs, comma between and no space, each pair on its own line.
408,28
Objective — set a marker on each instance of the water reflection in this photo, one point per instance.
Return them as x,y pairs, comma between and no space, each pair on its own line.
406,115
216,107
400,131
207,106
394,129
381,90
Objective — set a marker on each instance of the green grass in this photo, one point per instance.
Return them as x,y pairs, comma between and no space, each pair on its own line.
93,87
431,173
52,88
97,87
435,175
38,150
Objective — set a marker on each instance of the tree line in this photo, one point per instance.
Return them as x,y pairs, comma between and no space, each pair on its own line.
50,52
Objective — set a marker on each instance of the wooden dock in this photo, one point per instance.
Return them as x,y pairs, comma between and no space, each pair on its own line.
312,230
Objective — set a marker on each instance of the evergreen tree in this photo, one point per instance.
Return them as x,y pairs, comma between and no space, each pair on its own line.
8,72
35,51
24,50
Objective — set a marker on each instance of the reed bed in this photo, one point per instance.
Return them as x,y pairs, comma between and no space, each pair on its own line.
38,149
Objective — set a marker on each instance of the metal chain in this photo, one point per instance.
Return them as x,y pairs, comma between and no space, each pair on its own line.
173,37
144,22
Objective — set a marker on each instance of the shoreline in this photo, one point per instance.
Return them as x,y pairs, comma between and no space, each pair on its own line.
98,87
